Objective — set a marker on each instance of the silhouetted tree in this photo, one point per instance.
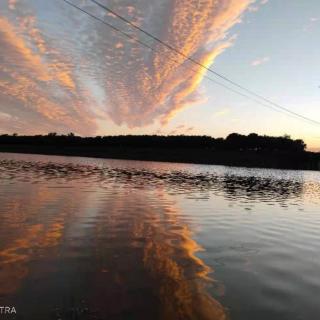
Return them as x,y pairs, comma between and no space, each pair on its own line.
233,142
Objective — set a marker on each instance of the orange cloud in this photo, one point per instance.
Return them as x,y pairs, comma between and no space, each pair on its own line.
160,83
32,75
59,80
11,38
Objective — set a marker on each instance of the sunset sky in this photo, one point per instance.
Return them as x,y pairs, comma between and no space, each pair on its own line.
63,71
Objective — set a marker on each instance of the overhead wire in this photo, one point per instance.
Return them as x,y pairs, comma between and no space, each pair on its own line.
267,102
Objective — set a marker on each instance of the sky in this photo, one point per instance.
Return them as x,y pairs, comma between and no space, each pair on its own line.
63,71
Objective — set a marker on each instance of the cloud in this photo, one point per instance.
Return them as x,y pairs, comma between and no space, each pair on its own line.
253,8
189,129
55,79
12,4
257,6
177,130
312,21
160,84
260,61
38,87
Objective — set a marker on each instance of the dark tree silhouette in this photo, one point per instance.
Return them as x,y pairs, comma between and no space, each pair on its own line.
251,150
234,141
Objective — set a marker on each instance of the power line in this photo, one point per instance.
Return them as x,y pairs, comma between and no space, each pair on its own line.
151,48
282,109
200,64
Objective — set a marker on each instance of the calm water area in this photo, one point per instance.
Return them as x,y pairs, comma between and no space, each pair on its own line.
84,238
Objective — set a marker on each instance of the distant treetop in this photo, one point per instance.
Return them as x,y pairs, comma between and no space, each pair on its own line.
234,141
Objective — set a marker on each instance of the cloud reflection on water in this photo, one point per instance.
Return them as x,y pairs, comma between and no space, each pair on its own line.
122,243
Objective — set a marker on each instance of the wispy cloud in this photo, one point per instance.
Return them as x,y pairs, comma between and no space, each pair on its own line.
189,129
312,21
257,5
253,8
179,129
260,61
12,4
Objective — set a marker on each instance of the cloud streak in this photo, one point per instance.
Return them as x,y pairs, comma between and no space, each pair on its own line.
259,61
55,79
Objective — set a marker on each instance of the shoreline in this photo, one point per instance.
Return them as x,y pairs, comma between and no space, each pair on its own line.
247,159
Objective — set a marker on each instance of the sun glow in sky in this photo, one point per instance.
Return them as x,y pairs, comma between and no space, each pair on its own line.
62,71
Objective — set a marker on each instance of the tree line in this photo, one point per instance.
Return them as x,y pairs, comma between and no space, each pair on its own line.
234,141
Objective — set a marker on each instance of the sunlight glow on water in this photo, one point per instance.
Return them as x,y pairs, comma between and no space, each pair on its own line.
96,239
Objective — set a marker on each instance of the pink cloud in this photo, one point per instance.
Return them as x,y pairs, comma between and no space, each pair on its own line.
260,61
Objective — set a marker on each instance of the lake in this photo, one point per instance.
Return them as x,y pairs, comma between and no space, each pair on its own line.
84,238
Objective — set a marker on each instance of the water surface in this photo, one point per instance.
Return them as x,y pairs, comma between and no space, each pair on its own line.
85,238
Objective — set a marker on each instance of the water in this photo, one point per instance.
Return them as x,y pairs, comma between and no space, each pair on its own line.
88,238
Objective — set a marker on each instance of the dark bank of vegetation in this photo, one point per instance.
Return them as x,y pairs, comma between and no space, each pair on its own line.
252,150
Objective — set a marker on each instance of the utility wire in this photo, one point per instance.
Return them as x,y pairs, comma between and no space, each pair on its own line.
280,108
200,64
153,49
